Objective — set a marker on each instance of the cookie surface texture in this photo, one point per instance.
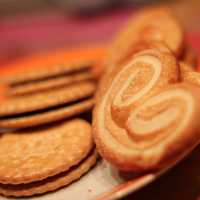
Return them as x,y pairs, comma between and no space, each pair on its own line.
188,74
152,25
33,155
133,124
52,183
48,116
43,85
46,99
45,72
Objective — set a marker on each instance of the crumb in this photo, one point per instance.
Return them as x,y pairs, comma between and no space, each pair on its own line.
89,190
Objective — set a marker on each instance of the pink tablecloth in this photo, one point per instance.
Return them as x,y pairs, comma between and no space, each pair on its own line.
24,34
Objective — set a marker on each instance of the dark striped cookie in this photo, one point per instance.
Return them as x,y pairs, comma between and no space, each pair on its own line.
47,116
45,72
48,99
50,83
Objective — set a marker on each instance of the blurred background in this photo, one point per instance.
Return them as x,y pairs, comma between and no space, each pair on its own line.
27,27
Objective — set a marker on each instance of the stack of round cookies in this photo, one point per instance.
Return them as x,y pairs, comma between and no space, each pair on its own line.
47,95
148,102
145,117
50,145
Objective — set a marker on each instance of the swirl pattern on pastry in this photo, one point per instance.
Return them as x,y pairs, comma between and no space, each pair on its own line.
138,120
111,71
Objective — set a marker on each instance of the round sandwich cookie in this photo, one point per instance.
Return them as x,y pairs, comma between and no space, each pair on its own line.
138,124
47,116
152,25
48,99
49,83
52,183
35,154
41,73
83,55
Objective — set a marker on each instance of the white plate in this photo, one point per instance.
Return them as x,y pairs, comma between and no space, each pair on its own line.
103,182
100,180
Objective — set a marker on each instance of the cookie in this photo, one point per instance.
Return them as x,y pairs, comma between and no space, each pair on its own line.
155,134
45,72
143,68
39,101
49,84
48,116
185,68
51,183
138,124
35,154
190,56
188,74
152,25
140,46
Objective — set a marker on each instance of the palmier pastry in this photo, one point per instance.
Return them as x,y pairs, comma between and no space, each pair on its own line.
152,25
143,122
188,74
140,46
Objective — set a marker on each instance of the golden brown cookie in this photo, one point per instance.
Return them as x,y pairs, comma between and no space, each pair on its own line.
45,72
139,123
152,25
140,46
48,116
52,83
47,99
188,74
144,45
164,55
35,154
185,68
189,56
51,183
